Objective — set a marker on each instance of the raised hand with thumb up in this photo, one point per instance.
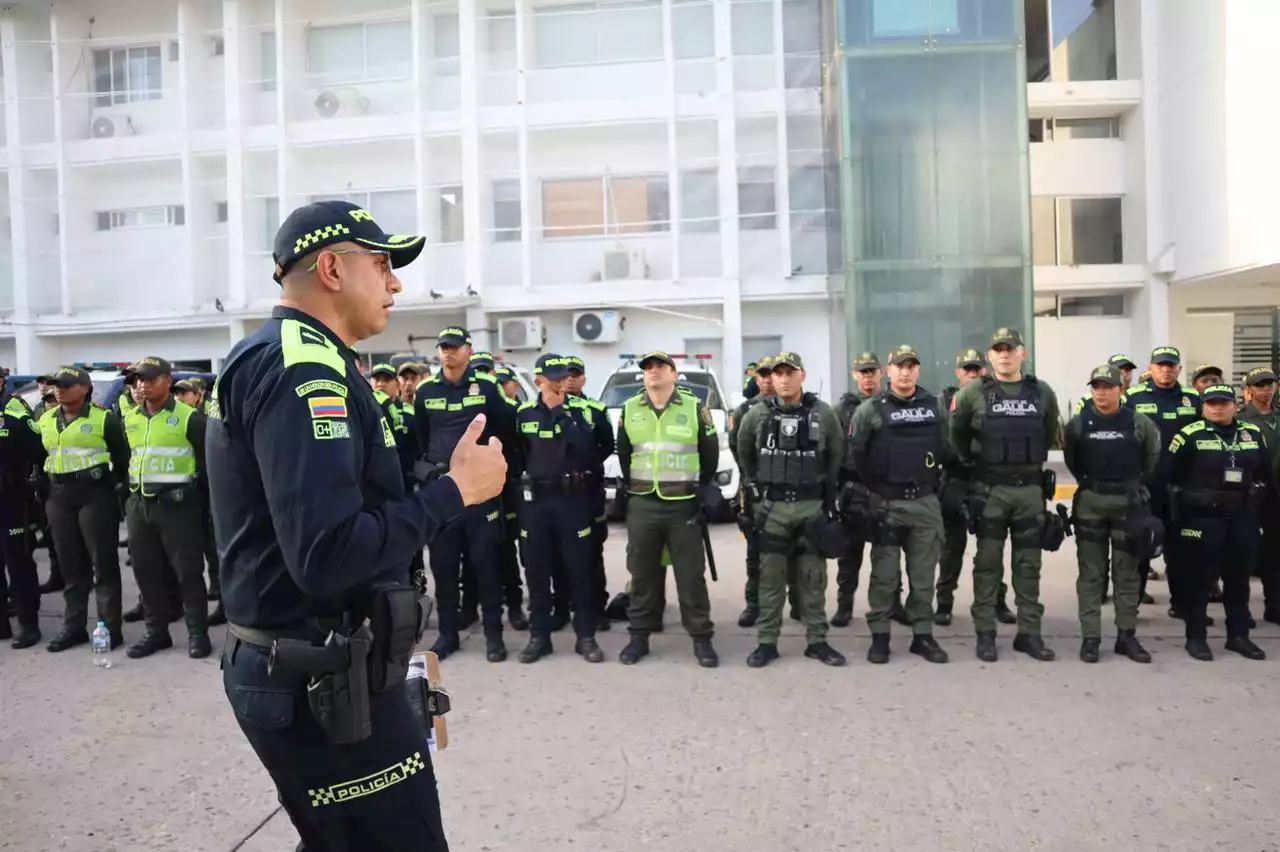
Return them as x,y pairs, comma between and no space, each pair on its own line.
479,470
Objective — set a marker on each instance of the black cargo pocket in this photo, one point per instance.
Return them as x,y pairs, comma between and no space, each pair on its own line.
262,707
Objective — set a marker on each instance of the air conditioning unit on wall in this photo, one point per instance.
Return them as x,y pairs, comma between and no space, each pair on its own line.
107,126
521,333
624,264
341,103
598,327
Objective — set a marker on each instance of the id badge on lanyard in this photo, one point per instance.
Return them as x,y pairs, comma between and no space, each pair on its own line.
1233,475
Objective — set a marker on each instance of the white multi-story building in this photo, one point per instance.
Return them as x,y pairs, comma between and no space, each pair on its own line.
660,164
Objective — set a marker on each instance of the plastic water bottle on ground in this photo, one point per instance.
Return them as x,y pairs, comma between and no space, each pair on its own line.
101,642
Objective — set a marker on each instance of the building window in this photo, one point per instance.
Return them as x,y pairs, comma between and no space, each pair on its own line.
700,201
1084,39
751,24
757,201
506,211
359,53
692,29
395,210
594,33
452,226
221,212
271,220
1077,231
1053,306
1066,129
126,74
593,207
141,217
446,42
501,48
267,51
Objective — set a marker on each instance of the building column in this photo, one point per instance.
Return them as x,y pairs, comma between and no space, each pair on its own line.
731,345
233,77
727,143
60,156
477,322
189,32
472,167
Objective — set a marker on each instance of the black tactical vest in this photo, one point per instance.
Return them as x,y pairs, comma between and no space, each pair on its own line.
1013,426
907,450
1214,455
1109,447
790,443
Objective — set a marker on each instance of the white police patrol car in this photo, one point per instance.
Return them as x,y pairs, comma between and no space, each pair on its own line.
696,375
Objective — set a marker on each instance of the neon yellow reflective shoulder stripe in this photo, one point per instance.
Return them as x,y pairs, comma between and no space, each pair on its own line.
302,344
486,377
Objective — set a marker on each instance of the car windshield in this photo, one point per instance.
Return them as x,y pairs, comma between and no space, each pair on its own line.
622,386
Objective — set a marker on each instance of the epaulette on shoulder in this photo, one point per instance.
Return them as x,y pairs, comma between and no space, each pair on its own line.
1140,387
1252,427
486,376
1191,392
575,402
1192,428
527,404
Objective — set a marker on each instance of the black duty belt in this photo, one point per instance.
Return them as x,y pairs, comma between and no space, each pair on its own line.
1012,480
263,639
94,475
788,494
1208,498
913,491
570,483
1111,489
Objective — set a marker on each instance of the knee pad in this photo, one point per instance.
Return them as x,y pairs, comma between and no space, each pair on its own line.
1028,531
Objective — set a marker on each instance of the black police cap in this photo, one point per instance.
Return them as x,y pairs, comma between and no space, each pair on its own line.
323,223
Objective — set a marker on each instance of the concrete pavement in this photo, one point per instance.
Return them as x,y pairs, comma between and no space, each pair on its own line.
1018,755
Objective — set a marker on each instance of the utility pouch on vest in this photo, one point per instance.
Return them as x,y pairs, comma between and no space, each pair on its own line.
815,429
1053,532
1048,484
978,496
809,472
338,693
765,473
791,476
396,625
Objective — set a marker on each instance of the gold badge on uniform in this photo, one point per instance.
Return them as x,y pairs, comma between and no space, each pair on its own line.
1186,400
474,390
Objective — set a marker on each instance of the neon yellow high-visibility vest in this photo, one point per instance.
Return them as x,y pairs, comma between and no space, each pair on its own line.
664,447
162,458
80,445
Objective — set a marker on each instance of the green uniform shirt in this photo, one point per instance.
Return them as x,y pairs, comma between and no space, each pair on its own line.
968,410
833,441
1146,432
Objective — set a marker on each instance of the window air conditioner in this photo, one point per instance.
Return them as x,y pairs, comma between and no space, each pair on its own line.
107,126
521,333
598,327
342,102
624,264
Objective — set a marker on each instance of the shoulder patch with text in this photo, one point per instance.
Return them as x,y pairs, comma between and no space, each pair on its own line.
314,385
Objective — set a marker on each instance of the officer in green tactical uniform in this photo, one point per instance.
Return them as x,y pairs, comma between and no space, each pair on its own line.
668,452
1013,420
869,376
955,507
164,512
1109,449
1206,375
1171,407
746,511
897,446
1121,362
1261,410
1218,472
791,449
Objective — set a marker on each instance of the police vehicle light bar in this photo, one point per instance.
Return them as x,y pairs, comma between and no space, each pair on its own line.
701,356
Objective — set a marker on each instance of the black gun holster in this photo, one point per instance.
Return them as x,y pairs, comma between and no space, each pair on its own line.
397,623
338,691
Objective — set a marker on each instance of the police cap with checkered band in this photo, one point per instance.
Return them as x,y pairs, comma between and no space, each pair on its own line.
322,223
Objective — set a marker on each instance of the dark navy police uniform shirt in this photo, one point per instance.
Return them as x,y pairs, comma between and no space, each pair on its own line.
442,411
306,491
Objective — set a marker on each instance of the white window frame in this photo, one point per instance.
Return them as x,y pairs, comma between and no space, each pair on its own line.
322,79
609,227
506,194
123,91
596,11
140,218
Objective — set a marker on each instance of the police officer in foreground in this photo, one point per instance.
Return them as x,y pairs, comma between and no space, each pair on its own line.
1219,469
443,407
898,444
954,500
668,452
20,454
1004,425
574,385
1109,449
316,534
1261,410
562,456
791,449
163,512
1171,407
88,460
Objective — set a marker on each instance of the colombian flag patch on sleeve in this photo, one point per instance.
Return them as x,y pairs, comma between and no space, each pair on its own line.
327,406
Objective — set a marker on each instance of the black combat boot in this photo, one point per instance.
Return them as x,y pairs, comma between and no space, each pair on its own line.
1244,646
878,653
151,642
516,618
1199,650
1128,645
587,648
705,652
539,646
795,613
1004,615
69,637
749,617
134,615
617,608
199,646
1033,646
28,635
637,649
762,655
824,653
495,650
942,617
927,647
1090,650
985,647
1145,599
446,644
844,614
